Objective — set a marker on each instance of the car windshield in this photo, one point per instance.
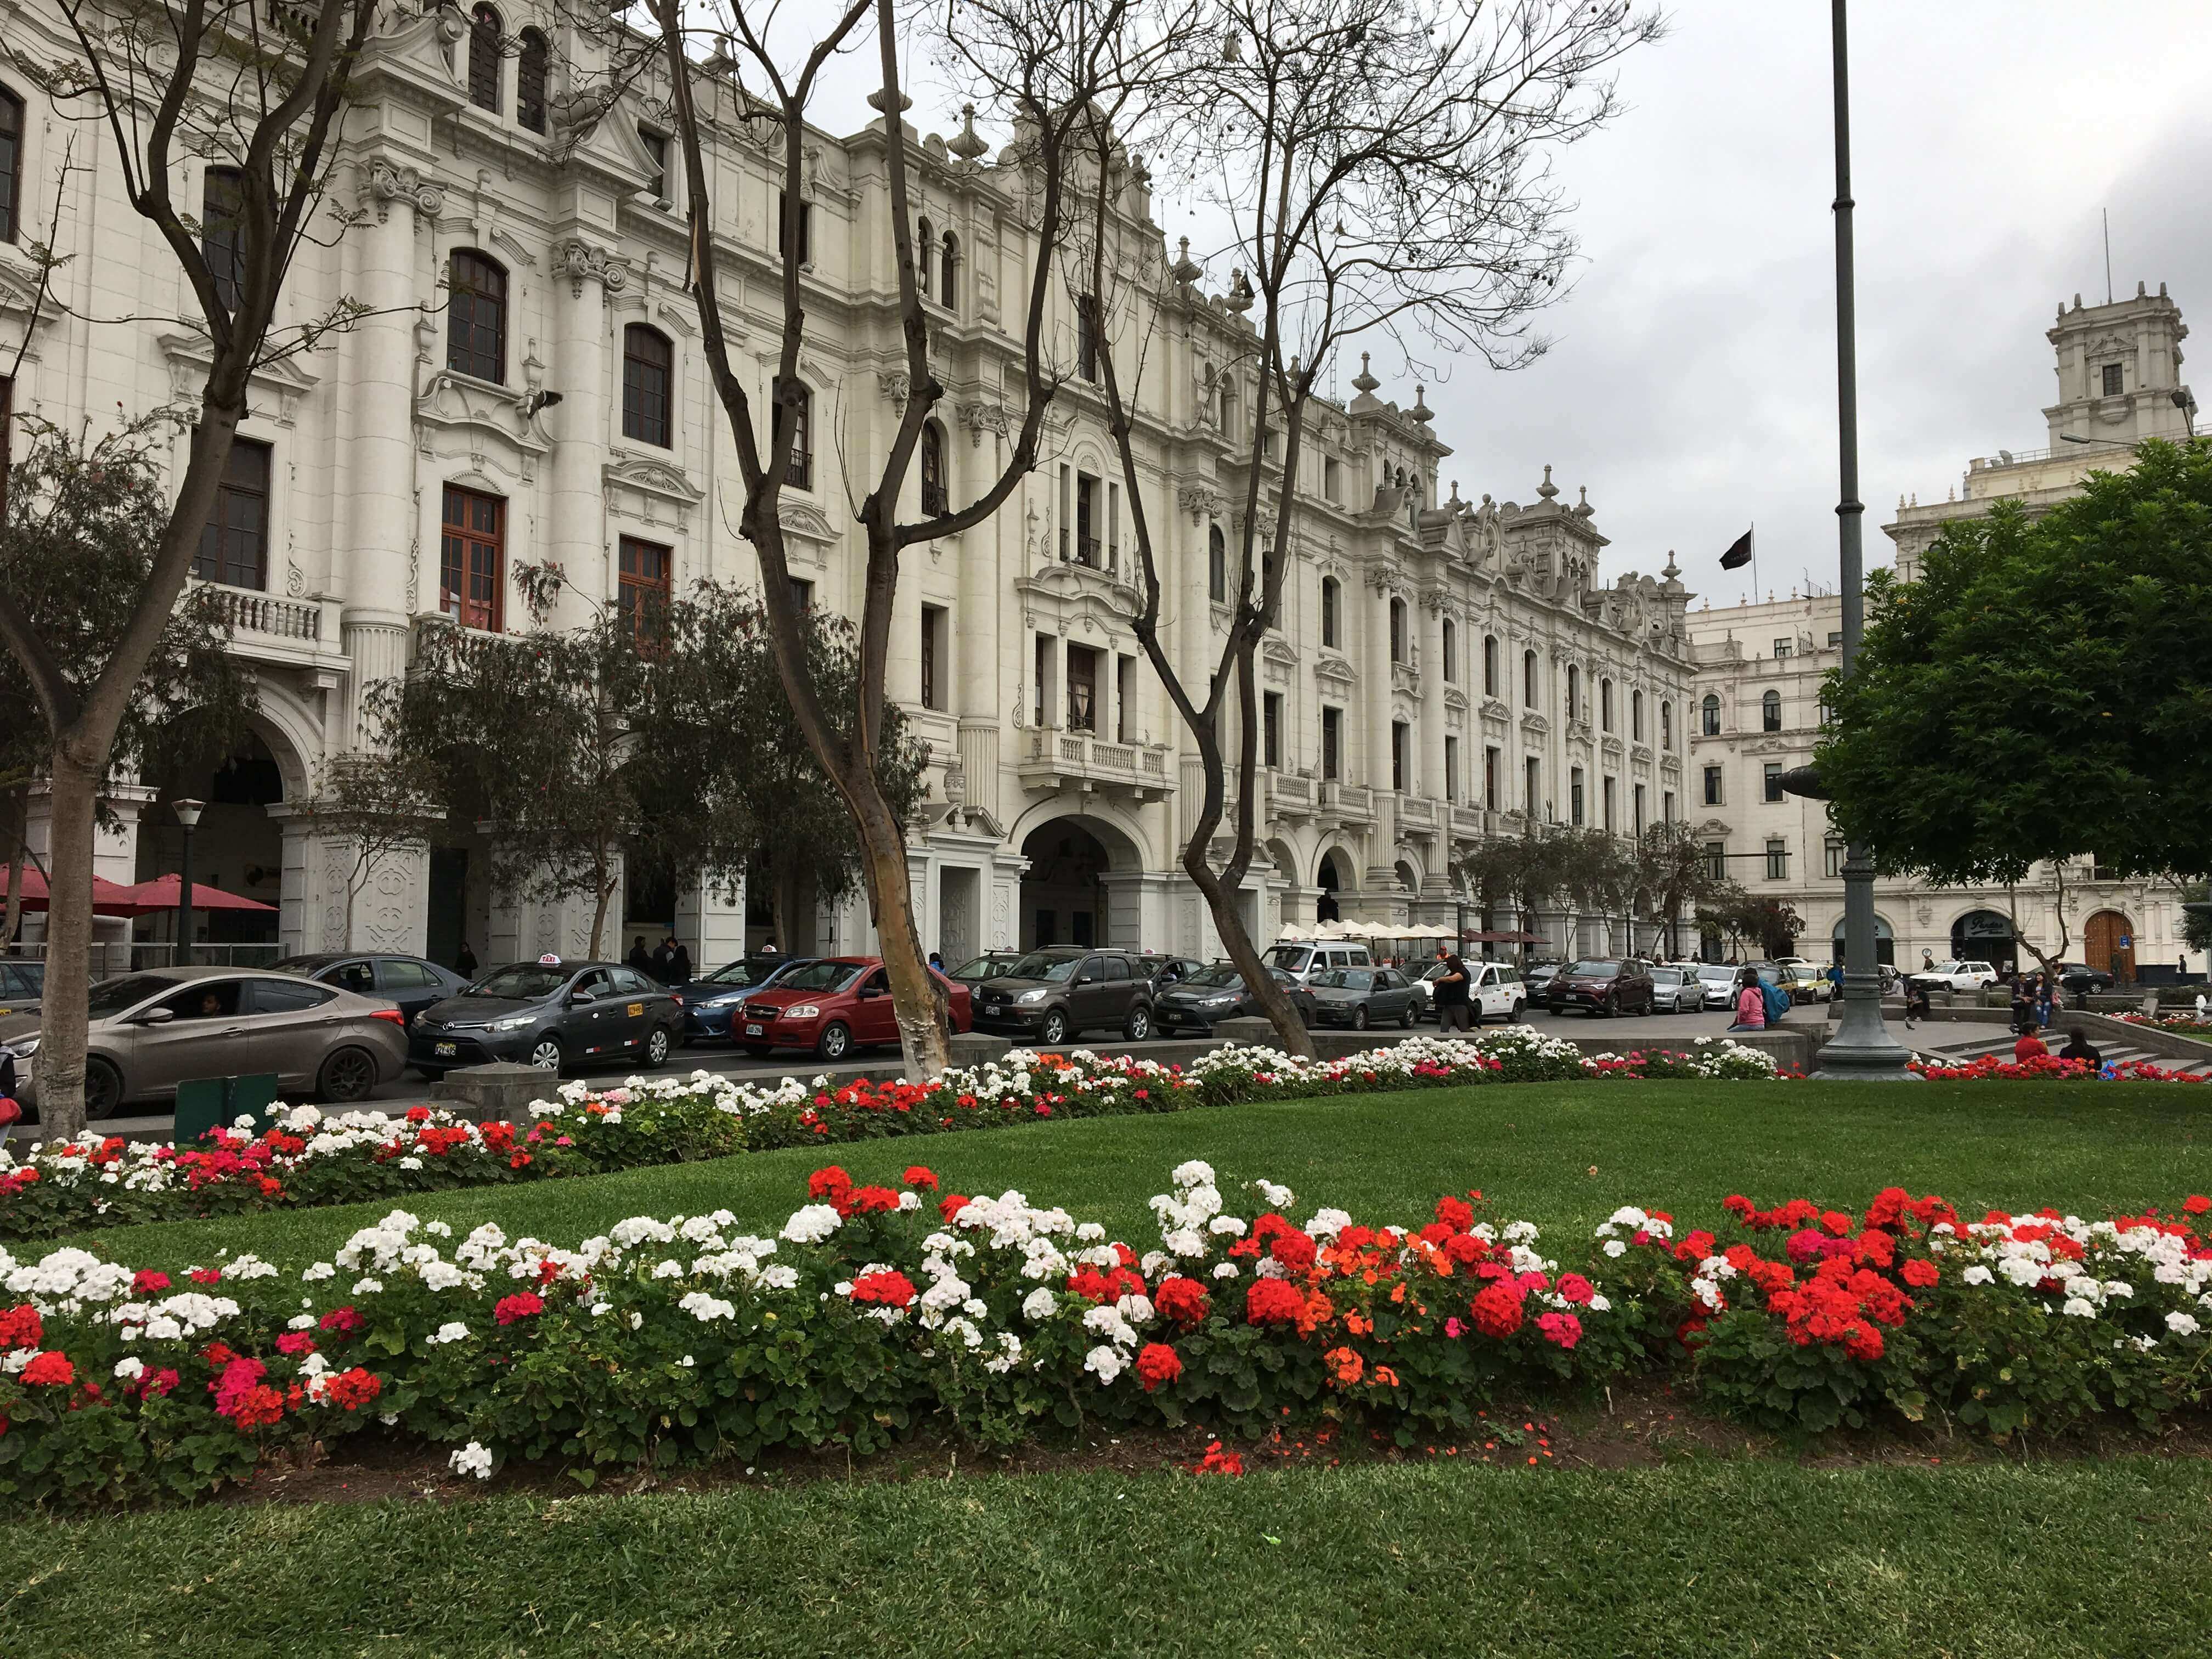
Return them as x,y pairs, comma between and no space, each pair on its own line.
1216,978
1039,964
113,996
1719,972
742,972
1666,975
1594,969
1292,957
819,976
982,968
522,982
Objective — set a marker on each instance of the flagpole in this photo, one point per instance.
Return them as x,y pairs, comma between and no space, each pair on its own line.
1861,1047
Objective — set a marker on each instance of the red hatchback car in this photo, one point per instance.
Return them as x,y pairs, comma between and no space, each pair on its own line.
832,1006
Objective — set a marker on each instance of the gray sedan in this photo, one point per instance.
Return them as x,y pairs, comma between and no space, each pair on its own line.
152,1030
1360,997
1676,991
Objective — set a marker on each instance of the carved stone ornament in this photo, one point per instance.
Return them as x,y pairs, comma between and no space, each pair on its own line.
389,183
581,262
1200,503
982,417
895,386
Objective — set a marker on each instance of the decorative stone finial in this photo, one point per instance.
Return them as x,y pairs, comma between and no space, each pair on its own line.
1420,411
1673,569
876,101
967,143
1185,269
1363,381
1582,508
1547,489
1240,292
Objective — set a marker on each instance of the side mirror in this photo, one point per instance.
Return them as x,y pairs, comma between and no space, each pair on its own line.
1086,979
156,1016
867,991
579,999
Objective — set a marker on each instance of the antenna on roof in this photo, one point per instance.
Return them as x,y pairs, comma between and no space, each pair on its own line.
2108,256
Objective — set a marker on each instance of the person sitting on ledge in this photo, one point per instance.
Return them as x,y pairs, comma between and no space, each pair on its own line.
2078,1047
2030,1046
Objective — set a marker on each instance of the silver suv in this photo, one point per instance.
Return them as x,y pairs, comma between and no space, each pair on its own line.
1064,990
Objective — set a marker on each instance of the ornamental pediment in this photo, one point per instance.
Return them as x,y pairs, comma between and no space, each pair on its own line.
190,357
654,478
1494,709
1336,671
805,520
1533,722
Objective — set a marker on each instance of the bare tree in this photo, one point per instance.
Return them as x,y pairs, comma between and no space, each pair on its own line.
763,80
1382,170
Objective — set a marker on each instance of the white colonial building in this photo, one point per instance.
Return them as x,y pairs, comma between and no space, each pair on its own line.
1448,666
1760,668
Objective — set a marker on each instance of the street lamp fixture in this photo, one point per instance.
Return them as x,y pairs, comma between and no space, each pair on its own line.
188,814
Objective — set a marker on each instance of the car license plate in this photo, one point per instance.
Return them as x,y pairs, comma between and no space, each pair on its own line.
444,1049
753,1030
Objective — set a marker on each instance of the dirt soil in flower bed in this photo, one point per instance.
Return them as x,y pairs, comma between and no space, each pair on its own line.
1641,1428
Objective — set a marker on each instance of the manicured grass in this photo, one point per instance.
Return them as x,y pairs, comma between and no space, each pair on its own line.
1562,1155
1708,1560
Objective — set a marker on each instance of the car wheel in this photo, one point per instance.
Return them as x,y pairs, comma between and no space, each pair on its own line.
1612,1004
835,1041
103,1089
1513,1012
1406,1019
1054,1032
656,1046
757,1050
1139,1025
1359,1017
545,1054
347,1076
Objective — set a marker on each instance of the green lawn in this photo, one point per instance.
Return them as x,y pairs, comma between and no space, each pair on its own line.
1531,1148
1704,1561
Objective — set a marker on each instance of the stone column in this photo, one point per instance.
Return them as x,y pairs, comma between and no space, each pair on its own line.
581,278
1431,782
975,648
1374,687
386,574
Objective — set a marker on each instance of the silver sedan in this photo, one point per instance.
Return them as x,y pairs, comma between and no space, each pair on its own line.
1676,991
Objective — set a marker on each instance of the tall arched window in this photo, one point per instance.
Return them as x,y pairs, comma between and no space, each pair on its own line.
648,363
1397,630
1529,698
948,291
1451,652
1574,692
923,237
1636,717
1605,705
483,58
530,82
475,335
1770,712
1217,566
1490,664
1667,725
11,161
1332,598
935,498
1709,712
223,233
795,402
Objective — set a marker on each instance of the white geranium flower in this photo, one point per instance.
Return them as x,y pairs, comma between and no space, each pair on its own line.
1105,1363
472,1459
452,1331
1039,1305
1978,1274
811,1223
2079,1307
2182,1324
130,1369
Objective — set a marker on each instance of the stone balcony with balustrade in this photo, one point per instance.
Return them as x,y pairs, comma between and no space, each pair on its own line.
1053,757
283,633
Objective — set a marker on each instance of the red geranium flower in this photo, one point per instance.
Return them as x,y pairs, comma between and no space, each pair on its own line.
2197,1204
49,1369
20,1328
1455,1213
1272,1302
822,1182
207,1275
869,1200
1294,1249
355,1389
342,1322
1181,1299
1920,1274
1497,1310
952,1204
257,1407
890,1289
917,1175
1157,1364
295,1345
1576,1288
522,1306
146,1281
1563,1328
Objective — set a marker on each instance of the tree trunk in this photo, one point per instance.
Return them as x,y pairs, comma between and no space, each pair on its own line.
17,846
63,1021
917,1002
603,889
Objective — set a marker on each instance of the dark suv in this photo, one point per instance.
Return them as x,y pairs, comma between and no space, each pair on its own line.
1617,986
1064,990
549,1013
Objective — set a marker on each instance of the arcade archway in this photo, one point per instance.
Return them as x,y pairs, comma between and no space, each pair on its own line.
1066,898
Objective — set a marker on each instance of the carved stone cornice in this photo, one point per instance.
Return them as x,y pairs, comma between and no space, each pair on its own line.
389,182
981,418
1200,502
581,262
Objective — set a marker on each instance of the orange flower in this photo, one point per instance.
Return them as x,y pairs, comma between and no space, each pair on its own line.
1398,1292
1347,1364
1357,1323
1319,1311
1385,1377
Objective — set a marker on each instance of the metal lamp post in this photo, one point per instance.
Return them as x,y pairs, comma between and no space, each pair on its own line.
188,814
1861,1047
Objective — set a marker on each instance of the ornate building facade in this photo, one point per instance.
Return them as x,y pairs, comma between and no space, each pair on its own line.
526,385
1760,668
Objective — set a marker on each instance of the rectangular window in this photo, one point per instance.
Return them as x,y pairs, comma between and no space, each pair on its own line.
1332,479
1086,335
1113,526
1042,675
1835,639
2111,379
1777,860
1066,510
656,149
797,406
802,593
1086,520
1328,593
1082,689
1451,768
1611,818
1332,744
645,571
1529,795
1667,806
1574,813
1717,860
1125,699
1400,735
1783,648
473,536
1490,777
222,233
234,541
1774,780
1831,858
647,362
1638,821
1713,786
934,635
806,226
1271,729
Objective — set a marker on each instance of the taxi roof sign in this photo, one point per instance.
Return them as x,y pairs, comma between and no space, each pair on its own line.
548,960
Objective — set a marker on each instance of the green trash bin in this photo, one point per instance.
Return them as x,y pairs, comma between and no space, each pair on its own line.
204,1102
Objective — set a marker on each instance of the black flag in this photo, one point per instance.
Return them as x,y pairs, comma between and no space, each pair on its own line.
1738,555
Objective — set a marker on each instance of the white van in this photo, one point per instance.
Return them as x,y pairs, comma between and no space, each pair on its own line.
1302,958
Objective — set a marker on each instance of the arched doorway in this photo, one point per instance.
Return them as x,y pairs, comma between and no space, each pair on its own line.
2108,941
1985,936
236,845
1065,896
1885,941
1329,877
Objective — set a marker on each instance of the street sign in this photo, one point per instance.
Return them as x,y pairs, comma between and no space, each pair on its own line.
2127,942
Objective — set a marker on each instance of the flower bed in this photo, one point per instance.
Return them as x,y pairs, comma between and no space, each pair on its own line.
313,1158
2046,1067
878,1309
2189,1024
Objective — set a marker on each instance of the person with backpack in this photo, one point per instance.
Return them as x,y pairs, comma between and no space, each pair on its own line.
1750,1002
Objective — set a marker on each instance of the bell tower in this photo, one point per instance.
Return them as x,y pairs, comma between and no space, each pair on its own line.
2119,372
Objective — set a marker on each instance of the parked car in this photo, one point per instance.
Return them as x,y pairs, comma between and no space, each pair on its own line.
1301,958
1805,981
150,1031
834,1005
1538,976
1717,979
1497,990
1957,976
1064,990
22,985
552,1013
1170,970
711,1002
1599,987
1676,991
1213,994
992,964
410,983
1360,997
2080,978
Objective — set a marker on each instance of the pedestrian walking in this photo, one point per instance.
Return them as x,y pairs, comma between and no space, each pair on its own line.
1452,999
663,960
465,964
1926,961
680,964
639,958
1750,1002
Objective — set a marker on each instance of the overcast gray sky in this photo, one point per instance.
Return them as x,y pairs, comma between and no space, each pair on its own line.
1692,383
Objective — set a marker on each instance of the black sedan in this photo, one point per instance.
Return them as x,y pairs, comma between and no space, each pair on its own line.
1360,997
410,982
2080,978
1213,994
551,1013
709,1002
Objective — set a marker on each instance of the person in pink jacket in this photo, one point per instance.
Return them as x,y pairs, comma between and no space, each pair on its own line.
1750,1003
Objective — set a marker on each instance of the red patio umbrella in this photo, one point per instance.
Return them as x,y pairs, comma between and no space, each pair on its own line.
152,897
108,898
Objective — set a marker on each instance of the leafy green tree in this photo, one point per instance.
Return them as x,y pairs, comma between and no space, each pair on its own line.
2043,691
1672,874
